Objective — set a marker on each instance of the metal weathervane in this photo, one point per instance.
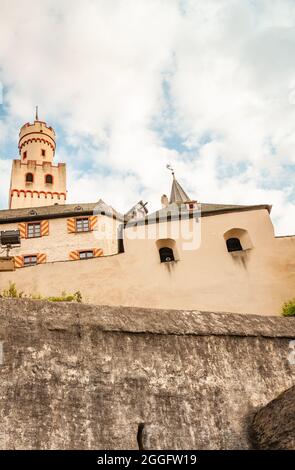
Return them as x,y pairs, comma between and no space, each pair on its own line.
169,167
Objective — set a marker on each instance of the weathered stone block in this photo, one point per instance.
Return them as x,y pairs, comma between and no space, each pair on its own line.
274,425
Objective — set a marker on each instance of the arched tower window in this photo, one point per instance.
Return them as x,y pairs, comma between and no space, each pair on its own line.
167,250
237,239
166,254
233,244
49,179
29,178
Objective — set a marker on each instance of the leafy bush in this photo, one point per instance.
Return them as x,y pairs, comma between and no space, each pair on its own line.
12,293
289,308
76,297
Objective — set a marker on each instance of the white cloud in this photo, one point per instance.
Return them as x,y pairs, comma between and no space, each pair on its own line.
5,166
97,68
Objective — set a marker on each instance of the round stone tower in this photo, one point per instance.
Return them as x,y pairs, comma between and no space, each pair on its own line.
35,180
36,142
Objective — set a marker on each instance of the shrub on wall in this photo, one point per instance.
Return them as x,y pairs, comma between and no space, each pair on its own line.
12,293
76,297
289,308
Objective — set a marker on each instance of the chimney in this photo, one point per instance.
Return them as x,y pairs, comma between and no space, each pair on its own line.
164,201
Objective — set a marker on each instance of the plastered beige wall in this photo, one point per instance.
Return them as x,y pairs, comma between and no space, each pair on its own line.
206,278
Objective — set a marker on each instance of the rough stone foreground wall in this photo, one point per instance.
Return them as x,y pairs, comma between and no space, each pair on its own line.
273,426
82,376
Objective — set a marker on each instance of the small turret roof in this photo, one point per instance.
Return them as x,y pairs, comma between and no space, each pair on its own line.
177,192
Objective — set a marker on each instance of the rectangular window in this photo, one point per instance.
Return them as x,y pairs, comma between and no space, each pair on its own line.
82,225
43,153
30,260
34,230
24,155
86,254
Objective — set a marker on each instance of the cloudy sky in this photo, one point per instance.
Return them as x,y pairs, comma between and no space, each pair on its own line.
131,85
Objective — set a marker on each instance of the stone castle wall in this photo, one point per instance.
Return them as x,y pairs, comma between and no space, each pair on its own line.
79,376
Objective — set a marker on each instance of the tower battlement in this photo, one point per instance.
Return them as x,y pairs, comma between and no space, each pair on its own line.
36,142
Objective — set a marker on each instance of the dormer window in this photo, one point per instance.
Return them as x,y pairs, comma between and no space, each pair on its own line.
48,179
29,178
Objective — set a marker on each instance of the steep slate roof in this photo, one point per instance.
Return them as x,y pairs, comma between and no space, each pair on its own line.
175,210
172,211
58,211
208,208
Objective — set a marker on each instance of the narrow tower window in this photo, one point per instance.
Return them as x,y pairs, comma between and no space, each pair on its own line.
24,155
43,153
29,178
234,244
49,179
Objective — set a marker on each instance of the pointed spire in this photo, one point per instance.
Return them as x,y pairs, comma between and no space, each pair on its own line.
36,116
177,192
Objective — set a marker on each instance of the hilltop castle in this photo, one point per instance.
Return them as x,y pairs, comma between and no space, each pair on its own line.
186,255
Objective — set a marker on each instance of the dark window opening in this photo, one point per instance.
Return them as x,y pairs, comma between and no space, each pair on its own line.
121,238
43,153
82,225
34,230
234,244
29,178
139,436
24,155
166,254
30,260
86,254
49,179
